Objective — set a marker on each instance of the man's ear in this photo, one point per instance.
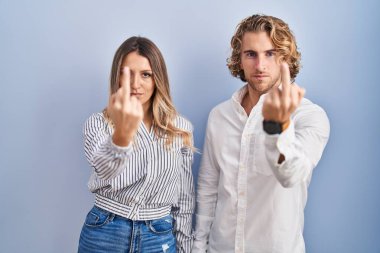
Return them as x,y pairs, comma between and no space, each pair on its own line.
280,60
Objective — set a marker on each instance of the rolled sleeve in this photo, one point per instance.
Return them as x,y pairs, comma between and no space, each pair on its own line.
107,159
302,145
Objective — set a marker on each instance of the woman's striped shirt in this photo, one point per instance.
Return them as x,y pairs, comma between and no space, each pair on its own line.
145,180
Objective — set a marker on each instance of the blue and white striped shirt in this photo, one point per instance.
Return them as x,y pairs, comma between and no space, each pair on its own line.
145,180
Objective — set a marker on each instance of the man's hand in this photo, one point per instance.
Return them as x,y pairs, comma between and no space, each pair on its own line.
280,104
126,112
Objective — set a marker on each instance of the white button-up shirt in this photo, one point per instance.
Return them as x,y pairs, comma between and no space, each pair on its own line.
246,201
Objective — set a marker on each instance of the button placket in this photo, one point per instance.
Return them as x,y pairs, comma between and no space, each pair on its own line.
241,191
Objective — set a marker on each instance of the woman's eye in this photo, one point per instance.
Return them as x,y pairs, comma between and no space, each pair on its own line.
146,75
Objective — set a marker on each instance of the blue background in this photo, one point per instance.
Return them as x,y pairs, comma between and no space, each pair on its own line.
55,59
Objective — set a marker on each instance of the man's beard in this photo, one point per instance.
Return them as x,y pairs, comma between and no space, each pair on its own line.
262,87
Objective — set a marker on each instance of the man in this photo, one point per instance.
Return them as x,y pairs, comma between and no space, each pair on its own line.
260,149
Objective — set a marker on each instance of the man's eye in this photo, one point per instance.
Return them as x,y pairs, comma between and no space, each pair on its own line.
270,54
251,54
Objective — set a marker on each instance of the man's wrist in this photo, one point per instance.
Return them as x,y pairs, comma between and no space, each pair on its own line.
285,125
274,127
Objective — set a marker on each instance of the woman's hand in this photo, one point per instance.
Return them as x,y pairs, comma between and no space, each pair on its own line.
126,112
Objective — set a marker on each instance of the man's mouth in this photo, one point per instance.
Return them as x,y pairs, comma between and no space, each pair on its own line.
260,76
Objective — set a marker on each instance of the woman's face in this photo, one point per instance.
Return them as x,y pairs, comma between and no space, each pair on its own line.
142,83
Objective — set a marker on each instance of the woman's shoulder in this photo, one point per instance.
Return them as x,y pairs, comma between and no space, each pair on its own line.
97,117
182,123
95,121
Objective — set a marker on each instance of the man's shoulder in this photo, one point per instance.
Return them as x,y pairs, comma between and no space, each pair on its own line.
220,108
308,106
311,115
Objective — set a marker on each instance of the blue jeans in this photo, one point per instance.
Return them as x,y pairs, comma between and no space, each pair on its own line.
105,232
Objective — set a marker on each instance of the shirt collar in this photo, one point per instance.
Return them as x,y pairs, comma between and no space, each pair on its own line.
237,98
238,95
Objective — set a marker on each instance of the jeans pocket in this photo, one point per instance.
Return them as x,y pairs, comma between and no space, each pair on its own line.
162,225
98,217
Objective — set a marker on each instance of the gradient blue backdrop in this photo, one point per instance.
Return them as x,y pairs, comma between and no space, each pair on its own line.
55,58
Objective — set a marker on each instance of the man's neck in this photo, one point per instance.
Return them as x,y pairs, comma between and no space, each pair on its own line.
249,100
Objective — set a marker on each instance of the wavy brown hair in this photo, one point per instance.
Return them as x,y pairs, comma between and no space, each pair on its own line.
162,107
280,35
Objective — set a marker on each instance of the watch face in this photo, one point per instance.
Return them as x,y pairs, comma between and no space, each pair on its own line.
272,127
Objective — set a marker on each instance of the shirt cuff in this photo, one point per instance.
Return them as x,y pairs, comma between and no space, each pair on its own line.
119,150
281,143
202,232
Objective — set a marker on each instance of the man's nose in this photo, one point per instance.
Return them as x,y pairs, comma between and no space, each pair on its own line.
260,63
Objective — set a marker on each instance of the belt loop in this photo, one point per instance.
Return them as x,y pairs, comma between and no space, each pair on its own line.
111,216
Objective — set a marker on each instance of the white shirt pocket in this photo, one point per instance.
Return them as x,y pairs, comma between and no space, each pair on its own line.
257,158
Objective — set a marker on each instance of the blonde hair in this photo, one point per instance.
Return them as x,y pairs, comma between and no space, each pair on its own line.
280,35
162,107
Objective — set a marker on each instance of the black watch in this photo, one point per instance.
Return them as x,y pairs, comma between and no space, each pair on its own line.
272,127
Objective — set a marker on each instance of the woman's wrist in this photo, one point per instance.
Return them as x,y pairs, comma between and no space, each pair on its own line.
121,138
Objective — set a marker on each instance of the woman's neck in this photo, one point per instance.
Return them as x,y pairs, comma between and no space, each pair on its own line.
148,118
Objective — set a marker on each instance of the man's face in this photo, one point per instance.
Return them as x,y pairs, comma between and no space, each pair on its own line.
259,61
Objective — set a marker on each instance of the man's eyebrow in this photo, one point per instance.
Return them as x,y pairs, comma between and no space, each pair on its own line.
266,51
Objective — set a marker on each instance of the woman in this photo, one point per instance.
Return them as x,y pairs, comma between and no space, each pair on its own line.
141,153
